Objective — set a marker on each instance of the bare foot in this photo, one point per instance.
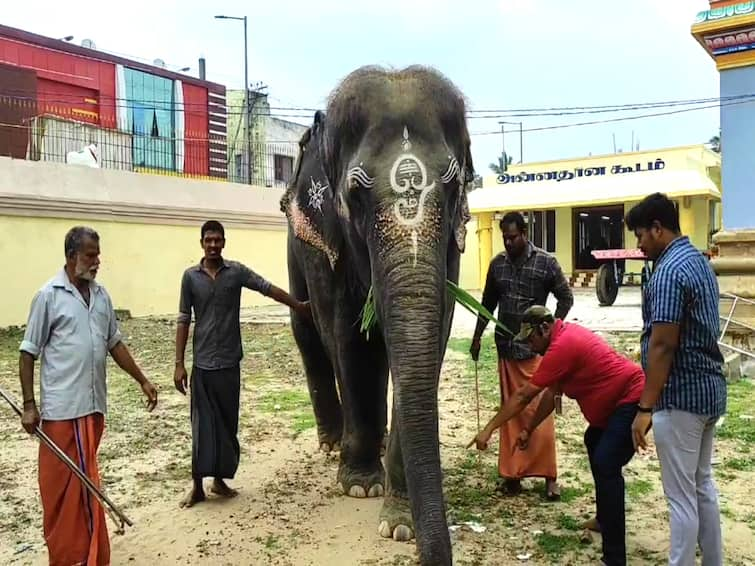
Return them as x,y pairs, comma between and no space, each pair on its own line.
194,496
592,524
219,487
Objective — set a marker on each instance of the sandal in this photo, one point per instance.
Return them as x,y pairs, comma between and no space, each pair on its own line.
510,486
552,491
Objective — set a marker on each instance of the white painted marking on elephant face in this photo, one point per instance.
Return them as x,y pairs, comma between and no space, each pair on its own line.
406,145
409,178
316,193
453,171
358,176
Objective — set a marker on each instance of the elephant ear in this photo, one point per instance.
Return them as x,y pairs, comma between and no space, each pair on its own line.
308,201
462,215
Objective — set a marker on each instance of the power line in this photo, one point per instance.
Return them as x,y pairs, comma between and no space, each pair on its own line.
483,113
609,106
610,120
697,104
626,108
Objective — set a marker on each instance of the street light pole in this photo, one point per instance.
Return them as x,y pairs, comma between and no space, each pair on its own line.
247,108
521,143
247,125
521,139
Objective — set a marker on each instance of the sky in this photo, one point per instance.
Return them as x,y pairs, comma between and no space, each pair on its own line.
502,54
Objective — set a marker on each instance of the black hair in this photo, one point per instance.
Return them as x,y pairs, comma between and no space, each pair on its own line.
212,226
75,239
513,218
656,207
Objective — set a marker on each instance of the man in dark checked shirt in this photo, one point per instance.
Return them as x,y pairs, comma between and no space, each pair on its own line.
521,277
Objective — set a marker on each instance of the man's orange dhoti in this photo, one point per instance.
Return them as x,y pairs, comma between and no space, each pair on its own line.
539,460
74,521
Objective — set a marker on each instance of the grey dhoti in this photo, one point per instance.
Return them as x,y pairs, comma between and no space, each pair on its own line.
215,422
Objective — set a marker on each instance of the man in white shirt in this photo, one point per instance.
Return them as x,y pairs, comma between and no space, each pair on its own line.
72,327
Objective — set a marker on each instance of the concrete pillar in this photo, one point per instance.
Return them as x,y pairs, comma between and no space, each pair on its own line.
485,242
724,33
686,217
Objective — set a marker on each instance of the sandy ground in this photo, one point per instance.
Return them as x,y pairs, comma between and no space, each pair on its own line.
290,511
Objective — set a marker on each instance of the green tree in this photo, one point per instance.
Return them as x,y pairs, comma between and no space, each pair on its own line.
715,143
503,164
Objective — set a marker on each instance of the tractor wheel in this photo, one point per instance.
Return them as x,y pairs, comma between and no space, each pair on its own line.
606,287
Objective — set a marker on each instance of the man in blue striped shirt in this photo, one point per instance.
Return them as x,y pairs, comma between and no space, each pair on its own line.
685,391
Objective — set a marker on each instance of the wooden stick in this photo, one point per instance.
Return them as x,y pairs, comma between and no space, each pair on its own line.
115,514
477,394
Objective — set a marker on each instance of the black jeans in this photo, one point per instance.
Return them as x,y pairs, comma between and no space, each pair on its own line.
609,450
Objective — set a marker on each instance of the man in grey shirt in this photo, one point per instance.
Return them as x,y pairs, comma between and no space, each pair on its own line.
212,289
72,327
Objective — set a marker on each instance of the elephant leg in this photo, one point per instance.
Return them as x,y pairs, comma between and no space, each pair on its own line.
319,370
395,519
363,372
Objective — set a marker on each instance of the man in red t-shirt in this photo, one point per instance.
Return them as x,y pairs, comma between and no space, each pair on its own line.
607,387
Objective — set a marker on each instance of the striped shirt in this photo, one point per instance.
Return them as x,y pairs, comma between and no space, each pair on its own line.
683,290
514,286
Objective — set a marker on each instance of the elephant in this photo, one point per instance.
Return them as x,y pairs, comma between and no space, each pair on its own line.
378,200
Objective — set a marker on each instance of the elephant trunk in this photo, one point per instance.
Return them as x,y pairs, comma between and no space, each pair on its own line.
413,314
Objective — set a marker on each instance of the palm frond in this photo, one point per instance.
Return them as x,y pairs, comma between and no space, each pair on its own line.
473,305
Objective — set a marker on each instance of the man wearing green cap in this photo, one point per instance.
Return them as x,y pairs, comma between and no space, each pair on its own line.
606,385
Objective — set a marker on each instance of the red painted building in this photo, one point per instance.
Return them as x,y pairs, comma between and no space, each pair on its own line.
173,122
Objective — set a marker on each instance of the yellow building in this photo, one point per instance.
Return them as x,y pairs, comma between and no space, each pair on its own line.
575,206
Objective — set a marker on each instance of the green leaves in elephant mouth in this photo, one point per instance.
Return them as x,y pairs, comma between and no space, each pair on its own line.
369,316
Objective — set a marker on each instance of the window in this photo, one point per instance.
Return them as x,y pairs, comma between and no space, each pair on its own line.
541,228
150,113
238,163
284,168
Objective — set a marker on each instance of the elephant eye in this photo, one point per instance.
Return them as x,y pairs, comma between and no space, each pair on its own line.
358,177
453,172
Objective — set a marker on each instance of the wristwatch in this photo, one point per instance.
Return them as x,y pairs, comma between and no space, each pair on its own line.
644,409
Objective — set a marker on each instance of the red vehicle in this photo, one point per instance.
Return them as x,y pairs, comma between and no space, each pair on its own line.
611,272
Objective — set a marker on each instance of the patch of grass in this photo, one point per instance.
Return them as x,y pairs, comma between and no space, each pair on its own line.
727,512
569,494
740,464
285,400
741,398
178,470
569,523
470,489
271,542
10,340
555,546
303,422
639,488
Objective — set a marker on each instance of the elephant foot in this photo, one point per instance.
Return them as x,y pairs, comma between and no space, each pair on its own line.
329,441
396,520
362,483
